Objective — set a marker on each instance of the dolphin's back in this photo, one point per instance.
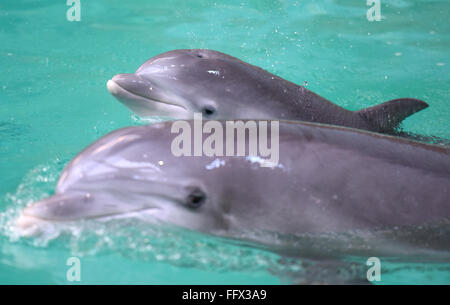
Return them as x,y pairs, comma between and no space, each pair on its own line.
433,158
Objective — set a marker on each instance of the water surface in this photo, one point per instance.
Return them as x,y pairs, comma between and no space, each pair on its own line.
53,102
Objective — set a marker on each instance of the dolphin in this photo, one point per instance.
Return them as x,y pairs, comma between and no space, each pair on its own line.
182,82
328,179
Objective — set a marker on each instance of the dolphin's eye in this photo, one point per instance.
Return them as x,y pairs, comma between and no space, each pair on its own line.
208,110
196,198
199,55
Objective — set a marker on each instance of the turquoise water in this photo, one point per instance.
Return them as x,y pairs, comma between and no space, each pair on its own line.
54,102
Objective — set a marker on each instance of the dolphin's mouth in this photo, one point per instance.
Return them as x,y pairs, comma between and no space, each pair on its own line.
34,219
136,93
127,213
73,207
31,226
117,90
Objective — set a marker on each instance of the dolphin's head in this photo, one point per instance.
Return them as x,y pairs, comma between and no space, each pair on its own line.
181,82
132,173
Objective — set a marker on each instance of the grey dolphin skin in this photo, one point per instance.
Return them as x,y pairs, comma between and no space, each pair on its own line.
178,83
328,179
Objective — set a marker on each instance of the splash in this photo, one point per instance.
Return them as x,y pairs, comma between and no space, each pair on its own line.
37,184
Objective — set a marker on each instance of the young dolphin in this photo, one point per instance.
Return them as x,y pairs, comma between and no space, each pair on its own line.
328,179
178,83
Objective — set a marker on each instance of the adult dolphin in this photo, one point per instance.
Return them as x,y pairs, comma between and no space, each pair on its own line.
328,179
180,82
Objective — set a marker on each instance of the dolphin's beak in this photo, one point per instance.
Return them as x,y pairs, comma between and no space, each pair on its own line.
130,83
142,96
60,207
75,206
56,208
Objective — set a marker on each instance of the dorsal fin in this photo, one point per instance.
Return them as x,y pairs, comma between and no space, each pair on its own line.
387,116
